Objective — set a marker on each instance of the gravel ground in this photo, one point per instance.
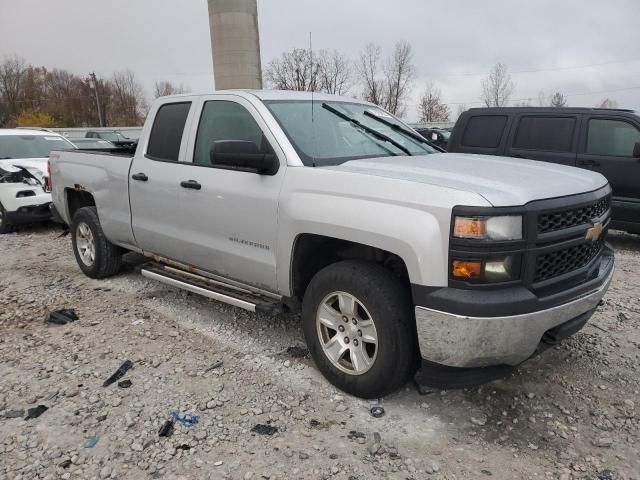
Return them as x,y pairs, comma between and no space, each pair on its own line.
573,413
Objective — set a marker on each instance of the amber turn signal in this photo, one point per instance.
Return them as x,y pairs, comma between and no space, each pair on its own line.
463,269
470,227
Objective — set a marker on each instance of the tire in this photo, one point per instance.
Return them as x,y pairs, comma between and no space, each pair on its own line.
379,299
97,257
5,226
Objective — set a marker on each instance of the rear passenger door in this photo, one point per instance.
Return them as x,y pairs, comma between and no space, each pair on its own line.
607,147
549,138
154,186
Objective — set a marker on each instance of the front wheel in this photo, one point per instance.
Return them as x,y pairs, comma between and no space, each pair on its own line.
359,327
97,257
5,226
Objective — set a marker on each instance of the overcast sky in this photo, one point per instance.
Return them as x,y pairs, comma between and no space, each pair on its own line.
586,49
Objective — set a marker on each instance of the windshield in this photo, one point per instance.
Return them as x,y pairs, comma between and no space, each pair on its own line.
332,140
113,136
31,146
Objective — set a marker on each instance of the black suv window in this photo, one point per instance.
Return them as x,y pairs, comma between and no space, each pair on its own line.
166,134
550,134
222,120
611,137
484,131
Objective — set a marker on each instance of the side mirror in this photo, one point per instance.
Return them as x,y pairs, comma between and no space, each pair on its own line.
243,155
636,150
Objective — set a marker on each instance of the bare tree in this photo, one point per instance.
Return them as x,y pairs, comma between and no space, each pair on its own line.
294,70
607,103
399,72
497,87
431,108
165,87
523,103
368,69
558,100
13,71
334,72
129,103
460,109
543,99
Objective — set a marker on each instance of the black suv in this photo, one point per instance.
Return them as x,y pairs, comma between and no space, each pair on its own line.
603,140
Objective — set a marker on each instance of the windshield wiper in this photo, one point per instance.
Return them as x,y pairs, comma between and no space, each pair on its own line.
399,128
371,131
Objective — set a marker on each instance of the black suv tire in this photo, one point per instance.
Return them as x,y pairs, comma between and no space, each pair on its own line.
107,257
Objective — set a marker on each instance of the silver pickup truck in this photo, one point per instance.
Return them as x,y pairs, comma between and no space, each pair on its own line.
397,255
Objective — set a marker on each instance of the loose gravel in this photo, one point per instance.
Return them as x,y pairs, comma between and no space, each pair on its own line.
236,396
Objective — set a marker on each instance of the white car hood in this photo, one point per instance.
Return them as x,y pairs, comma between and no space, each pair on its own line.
35,166
502,181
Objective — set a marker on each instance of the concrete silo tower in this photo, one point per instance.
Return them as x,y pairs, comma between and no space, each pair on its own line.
235,43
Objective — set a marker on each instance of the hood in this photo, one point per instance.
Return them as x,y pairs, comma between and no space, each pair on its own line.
35,166
502,181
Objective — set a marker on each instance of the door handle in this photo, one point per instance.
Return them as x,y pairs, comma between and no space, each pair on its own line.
588,163
141,177
192,184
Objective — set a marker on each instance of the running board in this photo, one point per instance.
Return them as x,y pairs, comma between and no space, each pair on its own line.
229,294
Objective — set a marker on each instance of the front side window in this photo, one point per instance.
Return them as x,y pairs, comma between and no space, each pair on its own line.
31,146
611,137
548,134
321,137
167,130
225,121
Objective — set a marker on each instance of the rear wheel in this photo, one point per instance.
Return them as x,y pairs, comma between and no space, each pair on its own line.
5,226
359,327
96,256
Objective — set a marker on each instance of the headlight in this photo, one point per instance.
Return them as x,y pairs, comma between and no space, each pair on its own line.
491,270
488,228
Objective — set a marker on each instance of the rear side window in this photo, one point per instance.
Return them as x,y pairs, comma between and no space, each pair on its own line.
484,131
549,134
167,130
612,137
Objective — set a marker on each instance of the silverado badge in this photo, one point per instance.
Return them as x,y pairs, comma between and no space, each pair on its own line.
594,232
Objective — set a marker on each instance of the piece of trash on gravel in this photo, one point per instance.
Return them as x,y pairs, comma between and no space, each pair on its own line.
139,321
124,368
90,442
166,430
186,420
353,435
35,412
297,352
377,411
14,414
214,365
262,429
62,317
184,446
125,383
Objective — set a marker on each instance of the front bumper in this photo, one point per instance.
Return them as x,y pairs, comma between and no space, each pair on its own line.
29,214
456,340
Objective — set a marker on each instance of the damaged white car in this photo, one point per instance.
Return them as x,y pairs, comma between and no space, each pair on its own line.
23,165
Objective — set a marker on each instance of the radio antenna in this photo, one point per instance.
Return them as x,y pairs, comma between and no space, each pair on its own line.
313,87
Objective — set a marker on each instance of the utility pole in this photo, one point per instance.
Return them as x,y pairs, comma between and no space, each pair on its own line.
93,83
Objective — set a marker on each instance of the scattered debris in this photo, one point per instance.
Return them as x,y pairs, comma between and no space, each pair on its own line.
35,412
376,445
65,463
486,472
91,442
479,420
216,364
139,321
262,429
124,368
314,423
62,317
353,435
101,418
186,420
166,430
184,446
423,389
377,411
124,383
297,351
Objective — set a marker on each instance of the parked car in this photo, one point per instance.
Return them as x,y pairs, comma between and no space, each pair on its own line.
115,137
93,143
391,250
603,140
437,136
23,167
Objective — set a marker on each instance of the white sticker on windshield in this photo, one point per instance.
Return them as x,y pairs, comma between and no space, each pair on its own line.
378,113
54,139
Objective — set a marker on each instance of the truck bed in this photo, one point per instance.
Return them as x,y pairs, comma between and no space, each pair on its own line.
106,176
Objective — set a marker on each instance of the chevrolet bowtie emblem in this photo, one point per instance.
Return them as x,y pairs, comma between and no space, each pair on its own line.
594,232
